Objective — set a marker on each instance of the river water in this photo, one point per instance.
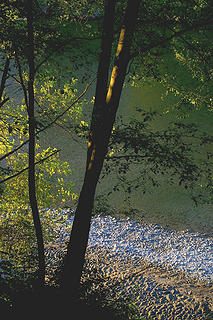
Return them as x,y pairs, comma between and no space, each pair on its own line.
168,205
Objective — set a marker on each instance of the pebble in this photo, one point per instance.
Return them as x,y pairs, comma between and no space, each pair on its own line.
186,251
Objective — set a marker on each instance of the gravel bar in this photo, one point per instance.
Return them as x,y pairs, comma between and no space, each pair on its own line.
165,274
188,252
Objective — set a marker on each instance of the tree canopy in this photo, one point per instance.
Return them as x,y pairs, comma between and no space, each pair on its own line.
45,45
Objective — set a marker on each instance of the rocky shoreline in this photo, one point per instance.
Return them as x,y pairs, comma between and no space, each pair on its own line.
122,254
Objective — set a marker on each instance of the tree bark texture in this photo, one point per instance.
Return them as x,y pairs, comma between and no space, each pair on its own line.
104,112
4,77
31,171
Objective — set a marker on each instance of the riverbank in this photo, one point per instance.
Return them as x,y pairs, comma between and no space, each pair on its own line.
162,273
154,292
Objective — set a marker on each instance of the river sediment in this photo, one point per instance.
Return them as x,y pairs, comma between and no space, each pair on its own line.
163,273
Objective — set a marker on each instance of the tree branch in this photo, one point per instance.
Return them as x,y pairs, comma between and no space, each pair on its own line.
164,41
23,170
49,124
21,80
125,157
63,45
14,150
68,108
3,102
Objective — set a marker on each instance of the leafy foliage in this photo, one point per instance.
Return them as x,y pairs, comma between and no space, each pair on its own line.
53,98
172,45
140,154
17,230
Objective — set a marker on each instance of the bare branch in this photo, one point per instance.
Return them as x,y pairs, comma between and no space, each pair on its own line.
13,77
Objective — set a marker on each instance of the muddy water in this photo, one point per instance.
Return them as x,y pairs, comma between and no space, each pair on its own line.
166,205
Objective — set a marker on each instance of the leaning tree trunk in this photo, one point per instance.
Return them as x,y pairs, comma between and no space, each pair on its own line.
104,112
31,171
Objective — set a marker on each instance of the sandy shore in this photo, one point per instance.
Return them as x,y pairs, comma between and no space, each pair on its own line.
122,264
155,292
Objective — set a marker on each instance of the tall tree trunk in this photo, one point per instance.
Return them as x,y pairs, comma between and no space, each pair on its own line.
4,77
104,112
31,171
74,260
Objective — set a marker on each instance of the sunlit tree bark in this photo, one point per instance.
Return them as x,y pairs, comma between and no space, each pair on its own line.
105,108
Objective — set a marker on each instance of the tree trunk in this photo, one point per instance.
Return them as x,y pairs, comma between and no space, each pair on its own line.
74,260
104,112
31,171
4,77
